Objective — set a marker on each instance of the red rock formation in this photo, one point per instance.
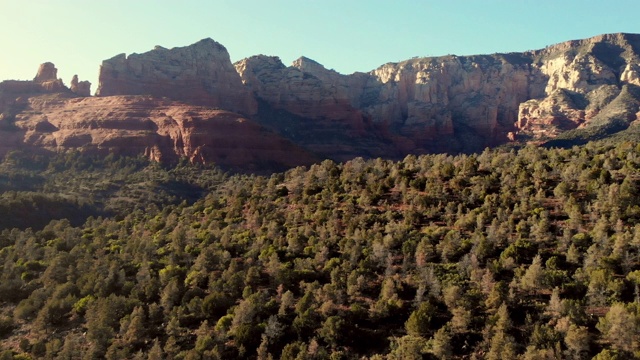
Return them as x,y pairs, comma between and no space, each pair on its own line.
305,89
80,88
14,94
176,101
583,77
328,120
44,82
423,103
162,129
552,115
412,104
200,74
46,72
47,78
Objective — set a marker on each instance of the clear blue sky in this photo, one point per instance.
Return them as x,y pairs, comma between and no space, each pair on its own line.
345,35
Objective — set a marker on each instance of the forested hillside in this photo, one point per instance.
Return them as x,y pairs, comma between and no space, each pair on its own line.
531,254
34,189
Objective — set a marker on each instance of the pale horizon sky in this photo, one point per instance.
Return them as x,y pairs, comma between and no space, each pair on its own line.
344,35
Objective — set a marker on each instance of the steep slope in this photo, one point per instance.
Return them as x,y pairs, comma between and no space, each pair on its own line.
457,103
420,105
161,129
199,74
259,111
315,107
592,85
45,114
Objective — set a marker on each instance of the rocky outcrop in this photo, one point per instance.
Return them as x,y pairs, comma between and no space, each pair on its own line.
44,114
14,94
448,95
80,88
583,78
199,74
46,72
305,89
192,102
315,107
416,105
45,81
631,74
429,104
164,130
47,78
547,117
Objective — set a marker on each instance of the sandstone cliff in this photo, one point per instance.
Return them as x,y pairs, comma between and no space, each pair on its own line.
164,130
420,105
14,94
193,102
44,114
586,82
45,81
430,104
200,74
315,107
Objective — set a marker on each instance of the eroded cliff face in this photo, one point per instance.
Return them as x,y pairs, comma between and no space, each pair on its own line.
306,88
415,104
199,74
81,88
15,94
429,104
162,129
584,79
315,107
446,95
193,102
43,114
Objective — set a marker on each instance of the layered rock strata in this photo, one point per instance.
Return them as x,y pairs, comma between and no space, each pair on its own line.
485,98
583,80
193,102
80,88
200,74
164,130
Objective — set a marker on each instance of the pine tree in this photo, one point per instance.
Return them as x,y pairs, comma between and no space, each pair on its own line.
533,277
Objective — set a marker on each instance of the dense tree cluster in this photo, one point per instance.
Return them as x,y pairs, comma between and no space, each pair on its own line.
529,254
34,189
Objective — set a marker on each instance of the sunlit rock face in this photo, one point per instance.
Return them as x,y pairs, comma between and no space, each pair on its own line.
440,96
193,102
162,129
421,103
199,74
44,114
589,81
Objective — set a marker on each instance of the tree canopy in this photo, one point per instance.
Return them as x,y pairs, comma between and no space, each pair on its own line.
530,253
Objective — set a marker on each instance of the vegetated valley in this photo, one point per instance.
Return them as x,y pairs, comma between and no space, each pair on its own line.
531,254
